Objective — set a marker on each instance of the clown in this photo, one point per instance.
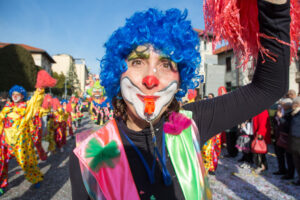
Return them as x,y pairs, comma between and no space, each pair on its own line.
15,135
97,103
151,149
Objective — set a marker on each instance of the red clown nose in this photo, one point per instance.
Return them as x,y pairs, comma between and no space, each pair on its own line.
150,81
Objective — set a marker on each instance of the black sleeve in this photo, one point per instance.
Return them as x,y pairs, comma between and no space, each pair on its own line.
78,189
270,80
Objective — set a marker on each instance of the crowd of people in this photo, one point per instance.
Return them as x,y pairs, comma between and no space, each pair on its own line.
276,128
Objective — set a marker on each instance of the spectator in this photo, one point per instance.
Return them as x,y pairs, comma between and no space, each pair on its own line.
210,96
282,141
284,106
291,94
261,130
295,136
244,143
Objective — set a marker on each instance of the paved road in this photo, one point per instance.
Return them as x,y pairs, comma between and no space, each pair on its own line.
56,184
230,182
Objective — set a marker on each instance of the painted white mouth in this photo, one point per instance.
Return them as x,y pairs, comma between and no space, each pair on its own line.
133,95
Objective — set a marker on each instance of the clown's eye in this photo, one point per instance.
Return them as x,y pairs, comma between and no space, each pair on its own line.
136,62
168,64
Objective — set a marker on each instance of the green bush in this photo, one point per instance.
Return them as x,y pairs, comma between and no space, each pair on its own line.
17,67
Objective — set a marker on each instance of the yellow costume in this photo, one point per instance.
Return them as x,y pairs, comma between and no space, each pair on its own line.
16,138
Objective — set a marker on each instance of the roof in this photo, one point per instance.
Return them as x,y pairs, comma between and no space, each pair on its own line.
202,33
222,49
30,49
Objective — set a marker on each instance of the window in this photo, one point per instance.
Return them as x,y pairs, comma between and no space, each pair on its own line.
228,64
205,47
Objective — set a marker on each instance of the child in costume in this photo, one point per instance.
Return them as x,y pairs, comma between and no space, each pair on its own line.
15,135
151,149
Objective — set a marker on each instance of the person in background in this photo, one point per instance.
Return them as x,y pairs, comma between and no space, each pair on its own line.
291,94
210,96
261,130
244,143
294,140
284,134
281,127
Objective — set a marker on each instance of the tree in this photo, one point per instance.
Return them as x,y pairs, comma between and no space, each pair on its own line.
17,67
73,82
59,88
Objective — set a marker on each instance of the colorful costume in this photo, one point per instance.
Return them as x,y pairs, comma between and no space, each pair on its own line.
211,152
16,139
187,162
36,134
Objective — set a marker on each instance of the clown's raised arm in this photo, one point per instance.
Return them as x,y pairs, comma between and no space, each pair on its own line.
270,80
43,80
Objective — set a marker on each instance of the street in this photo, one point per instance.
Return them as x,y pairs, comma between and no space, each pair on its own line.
230,181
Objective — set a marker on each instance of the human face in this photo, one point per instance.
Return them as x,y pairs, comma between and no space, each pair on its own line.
17,97
150,77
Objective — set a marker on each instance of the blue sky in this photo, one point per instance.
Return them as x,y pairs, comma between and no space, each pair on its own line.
77,27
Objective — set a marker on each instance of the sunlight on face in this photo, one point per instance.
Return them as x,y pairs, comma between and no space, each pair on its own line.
150,74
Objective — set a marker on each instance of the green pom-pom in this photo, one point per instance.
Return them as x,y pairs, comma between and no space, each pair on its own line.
101,155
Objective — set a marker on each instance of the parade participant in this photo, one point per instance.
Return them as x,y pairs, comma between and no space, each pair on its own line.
59,124
36,133
150,150
79,114
51,133
16,141
97,94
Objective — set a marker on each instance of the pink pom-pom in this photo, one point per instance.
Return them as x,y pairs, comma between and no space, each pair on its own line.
44,80
177,123
47,101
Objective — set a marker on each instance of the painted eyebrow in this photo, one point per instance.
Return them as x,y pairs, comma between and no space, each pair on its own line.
136,55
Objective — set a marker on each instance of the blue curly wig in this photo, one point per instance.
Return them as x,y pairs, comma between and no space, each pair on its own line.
167,31
19,89
63,101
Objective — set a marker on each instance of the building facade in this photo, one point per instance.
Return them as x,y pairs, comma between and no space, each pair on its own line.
40,57
236,77
63,64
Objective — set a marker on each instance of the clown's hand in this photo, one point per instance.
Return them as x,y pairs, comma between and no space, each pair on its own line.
44,80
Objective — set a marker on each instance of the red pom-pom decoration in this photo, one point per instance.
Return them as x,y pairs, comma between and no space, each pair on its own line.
44,80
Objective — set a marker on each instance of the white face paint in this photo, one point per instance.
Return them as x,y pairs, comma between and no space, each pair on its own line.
17,97
134,96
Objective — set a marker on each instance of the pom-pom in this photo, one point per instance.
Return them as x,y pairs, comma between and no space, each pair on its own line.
47,101
177,123
44,80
